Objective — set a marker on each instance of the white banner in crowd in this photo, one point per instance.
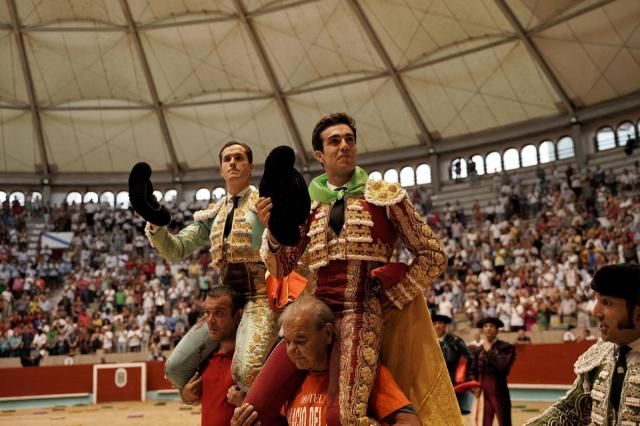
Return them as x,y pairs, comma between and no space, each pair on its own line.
56,240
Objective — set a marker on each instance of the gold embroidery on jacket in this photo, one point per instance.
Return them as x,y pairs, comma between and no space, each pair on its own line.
355,241
357,378
381,193
256,333
630,398
236,248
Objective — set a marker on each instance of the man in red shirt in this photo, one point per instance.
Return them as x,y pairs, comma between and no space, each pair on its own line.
213,386
308,335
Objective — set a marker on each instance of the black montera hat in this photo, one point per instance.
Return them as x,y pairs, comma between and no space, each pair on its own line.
621,281
441,318
289,195
141,196
490,320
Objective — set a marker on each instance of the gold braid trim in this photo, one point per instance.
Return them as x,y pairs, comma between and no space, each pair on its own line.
210,212
381,193
430,258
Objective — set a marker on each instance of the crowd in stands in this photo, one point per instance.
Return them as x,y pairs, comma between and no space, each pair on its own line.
526,258
107,291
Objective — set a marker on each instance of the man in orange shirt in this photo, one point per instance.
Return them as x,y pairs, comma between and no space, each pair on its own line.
308,335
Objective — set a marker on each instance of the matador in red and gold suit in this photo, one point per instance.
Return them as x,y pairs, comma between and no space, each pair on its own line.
381,313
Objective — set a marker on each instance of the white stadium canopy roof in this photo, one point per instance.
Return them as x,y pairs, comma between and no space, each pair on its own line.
93,86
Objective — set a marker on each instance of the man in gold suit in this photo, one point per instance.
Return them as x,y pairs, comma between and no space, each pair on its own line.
348,242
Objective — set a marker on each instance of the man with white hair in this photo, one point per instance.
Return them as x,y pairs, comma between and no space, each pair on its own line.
309,335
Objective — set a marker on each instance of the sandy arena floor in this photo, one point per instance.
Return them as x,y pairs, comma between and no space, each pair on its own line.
150,413
154,413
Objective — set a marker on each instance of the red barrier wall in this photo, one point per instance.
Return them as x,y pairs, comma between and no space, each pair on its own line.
55,380
108,391
155,376
549,364
46,380
535,364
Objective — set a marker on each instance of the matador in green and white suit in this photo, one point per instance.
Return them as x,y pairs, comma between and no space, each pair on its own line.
237,259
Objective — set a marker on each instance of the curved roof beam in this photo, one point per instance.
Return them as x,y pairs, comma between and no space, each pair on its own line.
53,26
537,56
157,105
312,85
423,60
273,6
240,94
563,18
31,92
12,104
461,53
247,98
425,136
273,81
97,107
220,17
162,22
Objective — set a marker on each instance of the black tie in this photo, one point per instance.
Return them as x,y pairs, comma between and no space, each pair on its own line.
229,221
336,216
618,376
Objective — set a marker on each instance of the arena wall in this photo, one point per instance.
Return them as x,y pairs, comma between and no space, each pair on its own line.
62,380
546,364
543,364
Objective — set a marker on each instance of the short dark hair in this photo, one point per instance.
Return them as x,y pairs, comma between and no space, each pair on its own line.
231,143
237,299
328,121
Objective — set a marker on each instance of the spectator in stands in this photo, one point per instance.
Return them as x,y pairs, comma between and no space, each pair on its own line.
569,335
39,343
568,309
588,336
504,312
72,340
165,339
15,342
584,312
121,338
4,344
522,338
134,338
517,316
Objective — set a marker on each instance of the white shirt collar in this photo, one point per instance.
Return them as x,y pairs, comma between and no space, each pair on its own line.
240,194
334,187
635,345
